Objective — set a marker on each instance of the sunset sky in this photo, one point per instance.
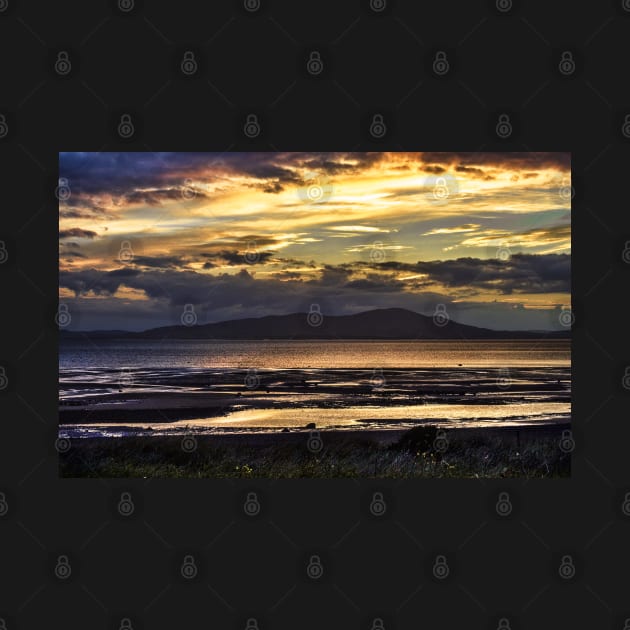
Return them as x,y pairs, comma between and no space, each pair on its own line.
142,235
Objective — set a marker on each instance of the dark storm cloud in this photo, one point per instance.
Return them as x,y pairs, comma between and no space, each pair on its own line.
333,276
509,160
120,174
101,283
432,168
287,275
237,258
129,175
273,187
156,197
346,288
88,210
161,262
178,287
77,233
68,255
471,170
211,260
375,284
522,273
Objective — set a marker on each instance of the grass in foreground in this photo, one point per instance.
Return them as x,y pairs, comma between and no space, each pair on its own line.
414,455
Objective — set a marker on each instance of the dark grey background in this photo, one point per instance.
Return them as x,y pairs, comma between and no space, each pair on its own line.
255,62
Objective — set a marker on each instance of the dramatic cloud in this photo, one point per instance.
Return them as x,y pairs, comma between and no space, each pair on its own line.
466,227
247,234
521,273
77,233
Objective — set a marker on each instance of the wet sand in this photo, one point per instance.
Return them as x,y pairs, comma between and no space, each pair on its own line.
157,398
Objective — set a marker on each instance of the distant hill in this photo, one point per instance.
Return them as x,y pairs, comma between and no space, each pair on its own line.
387,323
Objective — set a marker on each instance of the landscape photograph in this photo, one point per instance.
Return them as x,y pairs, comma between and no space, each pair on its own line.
315,314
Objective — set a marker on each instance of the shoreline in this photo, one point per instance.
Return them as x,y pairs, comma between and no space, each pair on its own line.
254,438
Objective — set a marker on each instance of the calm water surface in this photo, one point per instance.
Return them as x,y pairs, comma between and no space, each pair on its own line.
115,354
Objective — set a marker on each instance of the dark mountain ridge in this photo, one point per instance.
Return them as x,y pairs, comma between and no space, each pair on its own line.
387,323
